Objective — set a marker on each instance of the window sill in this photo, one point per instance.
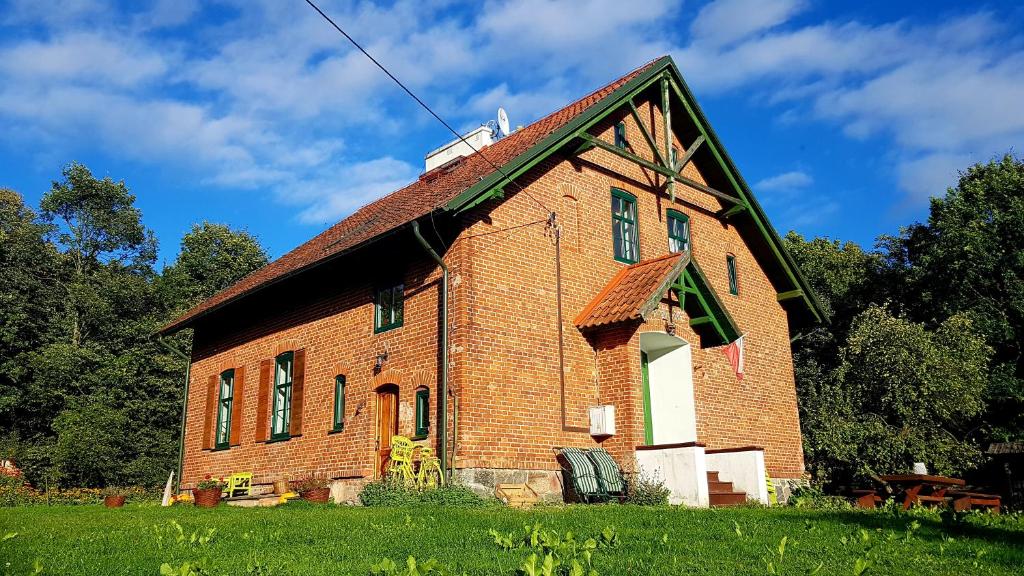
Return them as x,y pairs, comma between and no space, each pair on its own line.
220,448
624,261
383,329
420,436
282,439
335,430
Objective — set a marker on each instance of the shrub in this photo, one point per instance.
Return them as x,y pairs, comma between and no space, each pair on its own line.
647,490
814,497
389,493
210,483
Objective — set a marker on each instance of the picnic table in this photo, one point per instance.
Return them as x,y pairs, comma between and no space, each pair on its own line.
927,488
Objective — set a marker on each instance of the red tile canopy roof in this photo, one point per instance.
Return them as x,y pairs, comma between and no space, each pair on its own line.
429,192
632,293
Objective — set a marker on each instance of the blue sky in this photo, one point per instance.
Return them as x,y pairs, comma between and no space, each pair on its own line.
845,117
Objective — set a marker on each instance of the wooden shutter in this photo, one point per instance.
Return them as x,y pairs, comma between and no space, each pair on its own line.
298,384
237,406
211,412
263,399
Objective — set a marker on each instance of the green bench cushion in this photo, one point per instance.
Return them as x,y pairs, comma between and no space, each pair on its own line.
609,475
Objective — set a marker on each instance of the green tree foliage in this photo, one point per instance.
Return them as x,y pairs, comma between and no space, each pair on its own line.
212,257
969,259
87,396
955,285
900,394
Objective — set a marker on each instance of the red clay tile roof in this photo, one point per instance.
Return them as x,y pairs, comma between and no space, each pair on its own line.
428,192
633,292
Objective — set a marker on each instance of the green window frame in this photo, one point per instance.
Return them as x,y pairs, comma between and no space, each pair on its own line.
281,415
678,231
389,309
422,413
339,403
625,232
730,266
620,135
225,400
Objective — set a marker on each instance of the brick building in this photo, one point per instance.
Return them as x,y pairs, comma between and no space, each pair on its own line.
609,262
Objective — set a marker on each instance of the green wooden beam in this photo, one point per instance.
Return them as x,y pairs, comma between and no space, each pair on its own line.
688,155
701,320
666,112
647,135
731,211
783,296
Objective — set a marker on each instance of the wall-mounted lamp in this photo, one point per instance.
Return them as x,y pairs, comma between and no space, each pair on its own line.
381,359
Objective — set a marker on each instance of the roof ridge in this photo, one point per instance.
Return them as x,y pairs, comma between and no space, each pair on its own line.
398,208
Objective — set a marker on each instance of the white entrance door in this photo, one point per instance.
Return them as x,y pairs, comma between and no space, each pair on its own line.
670,415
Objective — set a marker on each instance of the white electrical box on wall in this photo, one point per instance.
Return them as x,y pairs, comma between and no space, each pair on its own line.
602,420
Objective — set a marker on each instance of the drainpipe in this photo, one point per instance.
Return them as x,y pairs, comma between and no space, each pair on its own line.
184,407
442,392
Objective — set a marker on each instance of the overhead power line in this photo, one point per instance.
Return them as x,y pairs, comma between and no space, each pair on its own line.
423,104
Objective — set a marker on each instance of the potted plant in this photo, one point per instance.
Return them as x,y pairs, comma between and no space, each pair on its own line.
207,492
313,489
113,497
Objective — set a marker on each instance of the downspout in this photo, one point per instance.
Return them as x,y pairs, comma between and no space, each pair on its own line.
442,392
184,407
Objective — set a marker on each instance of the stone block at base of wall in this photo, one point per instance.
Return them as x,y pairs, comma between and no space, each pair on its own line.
784,487
346,490
546,483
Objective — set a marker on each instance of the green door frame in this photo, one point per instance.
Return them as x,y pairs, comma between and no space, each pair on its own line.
648,426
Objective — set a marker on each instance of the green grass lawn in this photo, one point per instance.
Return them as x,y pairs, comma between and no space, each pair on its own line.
307,539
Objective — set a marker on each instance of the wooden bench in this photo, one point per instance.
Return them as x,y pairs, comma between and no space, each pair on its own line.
969,500
867,498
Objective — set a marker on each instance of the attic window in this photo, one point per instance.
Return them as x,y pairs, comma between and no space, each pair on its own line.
730,265
390,308
678,231
620,135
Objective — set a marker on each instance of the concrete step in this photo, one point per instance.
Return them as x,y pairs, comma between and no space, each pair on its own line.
720,486
727,498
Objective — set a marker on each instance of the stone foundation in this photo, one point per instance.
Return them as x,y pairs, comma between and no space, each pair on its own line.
784,487
346,491
546,483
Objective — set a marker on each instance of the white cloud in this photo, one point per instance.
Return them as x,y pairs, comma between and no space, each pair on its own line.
786,181
942,93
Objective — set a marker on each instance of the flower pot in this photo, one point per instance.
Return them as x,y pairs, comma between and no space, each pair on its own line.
113,501
320,495
208,498
280,487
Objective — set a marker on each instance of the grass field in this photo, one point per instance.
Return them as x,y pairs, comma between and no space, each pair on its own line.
308,539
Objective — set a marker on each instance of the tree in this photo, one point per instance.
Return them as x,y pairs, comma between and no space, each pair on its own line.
29,305
212,257
969,259
104,244
91,445
901,394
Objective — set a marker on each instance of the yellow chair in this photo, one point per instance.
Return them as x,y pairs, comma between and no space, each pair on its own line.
430,474
240,484
400,467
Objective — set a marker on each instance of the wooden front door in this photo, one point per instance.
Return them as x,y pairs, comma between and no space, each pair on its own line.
387,423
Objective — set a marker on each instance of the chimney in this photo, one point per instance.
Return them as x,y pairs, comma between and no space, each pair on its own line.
478,139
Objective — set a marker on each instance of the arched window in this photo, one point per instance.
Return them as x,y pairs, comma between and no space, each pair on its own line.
678,231
626,244
339,403
734,281
282,414
224,404
422,412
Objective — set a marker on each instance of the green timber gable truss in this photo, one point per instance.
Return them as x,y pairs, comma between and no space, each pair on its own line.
741,207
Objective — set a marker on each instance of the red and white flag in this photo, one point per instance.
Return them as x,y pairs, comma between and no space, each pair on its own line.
734,352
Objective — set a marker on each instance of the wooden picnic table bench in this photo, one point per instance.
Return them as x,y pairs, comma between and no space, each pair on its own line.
966,500
923,488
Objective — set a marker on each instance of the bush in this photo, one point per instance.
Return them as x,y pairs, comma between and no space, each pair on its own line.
647,490
14,492
387,493
814,497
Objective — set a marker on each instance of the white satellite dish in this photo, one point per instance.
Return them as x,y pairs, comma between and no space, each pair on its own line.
502,122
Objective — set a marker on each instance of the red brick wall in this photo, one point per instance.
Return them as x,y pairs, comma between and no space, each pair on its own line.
335,327
507,354
504,335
